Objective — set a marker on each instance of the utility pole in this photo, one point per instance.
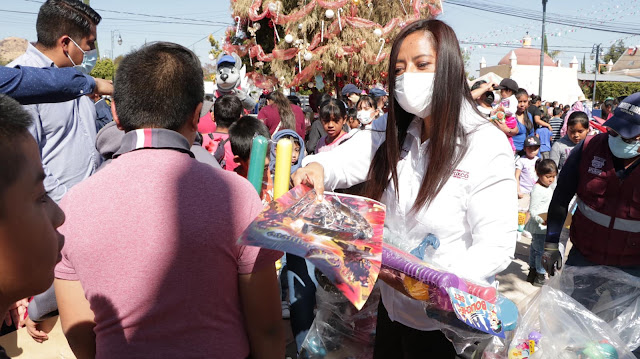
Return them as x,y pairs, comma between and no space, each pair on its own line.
544,19
596,49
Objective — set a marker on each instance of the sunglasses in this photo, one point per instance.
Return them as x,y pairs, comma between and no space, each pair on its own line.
630,141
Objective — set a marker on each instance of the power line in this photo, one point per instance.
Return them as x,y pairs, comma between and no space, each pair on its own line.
136,20
618,27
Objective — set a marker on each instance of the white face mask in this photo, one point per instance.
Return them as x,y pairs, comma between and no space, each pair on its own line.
89,59
365,116
622,149
414,91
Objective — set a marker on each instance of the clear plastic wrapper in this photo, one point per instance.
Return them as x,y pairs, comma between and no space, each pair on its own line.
556,326
609,293
468,312
339,329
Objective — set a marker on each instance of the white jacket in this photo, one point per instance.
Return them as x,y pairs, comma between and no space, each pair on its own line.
474,216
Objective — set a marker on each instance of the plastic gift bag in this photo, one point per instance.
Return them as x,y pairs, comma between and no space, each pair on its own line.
339,329
468,312
609,293
555,326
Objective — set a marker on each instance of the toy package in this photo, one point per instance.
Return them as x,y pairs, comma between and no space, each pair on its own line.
584,313
466,309
341,235
339,330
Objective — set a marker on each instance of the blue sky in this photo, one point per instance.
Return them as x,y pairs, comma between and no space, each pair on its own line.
469,24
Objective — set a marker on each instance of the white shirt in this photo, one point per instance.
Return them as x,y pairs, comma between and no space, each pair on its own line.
474,216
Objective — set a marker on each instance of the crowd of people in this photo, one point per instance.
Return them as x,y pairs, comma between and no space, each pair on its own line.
135,206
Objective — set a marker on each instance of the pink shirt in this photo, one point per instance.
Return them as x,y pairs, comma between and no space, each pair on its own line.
271,118
211,145
322,143
151,237
206,124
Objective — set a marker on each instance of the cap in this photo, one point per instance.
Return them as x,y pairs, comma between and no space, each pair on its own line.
206,107
626,117
226,58
508,84
531,141
376,92
350,88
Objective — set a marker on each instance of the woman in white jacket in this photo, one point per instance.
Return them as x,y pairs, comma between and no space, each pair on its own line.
441,169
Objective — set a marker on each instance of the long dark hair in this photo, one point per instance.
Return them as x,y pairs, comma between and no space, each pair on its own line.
448,141
528,123
282,103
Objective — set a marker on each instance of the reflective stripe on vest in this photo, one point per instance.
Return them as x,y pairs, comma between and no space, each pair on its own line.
627,225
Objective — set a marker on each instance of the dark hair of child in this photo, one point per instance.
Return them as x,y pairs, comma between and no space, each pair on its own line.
227,110
366,99
241,135
527,121
332,109
352,113
545,167
324,99
557,111
578,117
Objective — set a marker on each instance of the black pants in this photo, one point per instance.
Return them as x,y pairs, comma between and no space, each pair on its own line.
397,341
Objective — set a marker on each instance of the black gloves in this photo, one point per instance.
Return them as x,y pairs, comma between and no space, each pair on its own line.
552,258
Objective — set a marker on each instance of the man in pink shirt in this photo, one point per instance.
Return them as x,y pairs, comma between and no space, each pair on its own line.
145,273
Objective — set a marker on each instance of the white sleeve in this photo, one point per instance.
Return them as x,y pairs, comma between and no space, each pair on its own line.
348,164
492,216
513,106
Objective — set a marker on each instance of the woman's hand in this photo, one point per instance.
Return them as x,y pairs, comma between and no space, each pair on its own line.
311,175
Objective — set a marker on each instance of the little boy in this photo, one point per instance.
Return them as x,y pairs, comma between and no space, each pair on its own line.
226,110
556,123
241,136
30,243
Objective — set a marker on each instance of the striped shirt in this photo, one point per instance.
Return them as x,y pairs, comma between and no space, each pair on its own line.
556,125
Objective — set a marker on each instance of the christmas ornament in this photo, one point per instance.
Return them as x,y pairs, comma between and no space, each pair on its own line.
377,32
329,14
288,38
382,41
299,26
308,56
237,18
339,21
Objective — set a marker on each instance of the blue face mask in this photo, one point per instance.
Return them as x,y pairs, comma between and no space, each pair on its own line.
622,149
88,60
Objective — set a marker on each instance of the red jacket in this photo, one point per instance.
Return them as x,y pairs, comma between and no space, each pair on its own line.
606,225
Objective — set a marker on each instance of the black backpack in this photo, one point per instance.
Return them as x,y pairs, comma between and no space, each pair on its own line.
219,153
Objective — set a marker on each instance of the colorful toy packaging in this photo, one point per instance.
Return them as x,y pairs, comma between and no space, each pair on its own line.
341,235
476,309
584,313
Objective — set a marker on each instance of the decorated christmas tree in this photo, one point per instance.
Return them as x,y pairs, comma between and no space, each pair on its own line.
291,42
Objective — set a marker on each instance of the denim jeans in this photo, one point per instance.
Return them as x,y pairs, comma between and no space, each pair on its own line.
535,253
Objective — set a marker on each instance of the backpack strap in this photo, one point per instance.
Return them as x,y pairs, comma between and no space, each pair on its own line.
219,153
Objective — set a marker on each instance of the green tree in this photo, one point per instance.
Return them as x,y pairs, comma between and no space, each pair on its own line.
583,65
615,51
216,49
104,69
554,53
467,58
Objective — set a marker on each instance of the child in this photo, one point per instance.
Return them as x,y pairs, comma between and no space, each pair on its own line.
508,104
577,130
297,154
524,121
526,172
556,123
241,136
226,110
544,134
540,200
30,243
352,119
367,111
333,114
